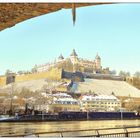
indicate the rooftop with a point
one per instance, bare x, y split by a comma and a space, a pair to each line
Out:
100, 97
97, 56
73, 53
61, 57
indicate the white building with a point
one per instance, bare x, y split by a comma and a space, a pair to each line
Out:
64, 102
64, 98
100, 103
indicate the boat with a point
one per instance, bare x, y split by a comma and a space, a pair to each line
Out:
6, 117
73, 116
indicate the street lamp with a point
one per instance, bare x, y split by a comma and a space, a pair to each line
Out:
11, 101
121, 115
87, 111
10, 79
121, 110
87, 115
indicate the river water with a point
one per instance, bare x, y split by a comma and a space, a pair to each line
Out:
31, 127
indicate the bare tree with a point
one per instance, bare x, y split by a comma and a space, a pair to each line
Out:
113, 72
34, 69
137, 74
124, 74
7, 72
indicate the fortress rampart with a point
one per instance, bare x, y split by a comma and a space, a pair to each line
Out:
53, 74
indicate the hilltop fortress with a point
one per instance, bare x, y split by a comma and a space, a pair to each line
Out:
75, 74
73, 68
74, 63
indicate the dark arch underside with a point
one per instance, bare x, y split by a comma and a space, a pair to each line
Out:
13, 13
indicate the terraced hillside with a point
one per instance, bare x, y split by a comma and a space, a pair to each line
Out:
120, 88
32, 85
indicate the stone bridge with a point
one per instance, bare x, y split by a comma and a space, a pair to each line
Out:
13, 13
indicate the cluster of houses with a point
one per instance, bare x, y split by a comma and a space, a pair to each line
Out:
86, 102
57, 102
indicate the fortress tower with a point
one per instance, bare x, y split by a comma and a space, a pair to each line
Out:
60, 58
98, 62
75, 63
74, 57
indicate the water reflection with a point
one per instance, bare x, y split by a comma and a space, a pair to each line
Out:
30, 127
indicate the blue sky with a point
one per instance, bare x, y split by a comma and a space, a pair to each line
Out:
111, 30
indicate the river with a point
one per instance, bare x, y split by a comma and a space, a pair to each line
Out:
29, 127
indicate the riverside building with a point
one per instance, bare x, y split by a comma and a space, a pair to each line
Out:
100, 103
64, 102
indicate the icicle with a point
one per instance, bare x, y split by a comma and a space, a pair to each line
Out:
74, 13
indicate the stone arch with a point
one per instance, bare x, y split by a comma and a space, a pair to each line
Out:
25, 11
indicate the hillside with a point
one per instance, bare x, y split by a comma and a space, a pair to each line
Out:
32, 85
120, 88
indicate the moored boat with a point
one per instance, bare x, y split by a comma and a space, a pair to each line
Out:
73, 116
6, 117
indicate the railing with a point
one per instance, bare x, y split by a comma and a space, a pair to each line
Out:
132, 131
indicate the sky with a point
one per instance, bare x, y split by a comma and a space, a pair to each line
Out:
112, 31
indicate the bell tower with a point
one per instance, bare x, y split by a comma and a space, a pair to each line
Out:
74, 57
98, 62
